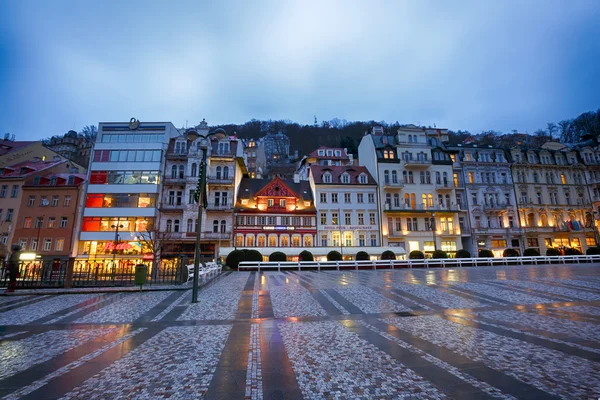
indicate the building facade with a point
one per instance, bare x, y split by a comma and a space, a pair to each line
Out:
554, 204
484, 184
330, 156
123, 192
347, 213
48, 214
418, 204
12, 180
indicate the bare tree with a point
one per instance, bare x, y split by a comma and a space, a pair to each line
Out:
552, 128
89, 131
152, 241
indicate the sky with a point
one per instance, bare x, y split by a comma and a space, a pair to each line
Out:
471, 65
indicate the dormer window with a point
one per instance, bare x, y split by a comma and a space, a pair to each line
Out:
327, 177
345, 178
53, 181
321, 152
388, 154
362, 178
23, 171
36, 180
338, 153
71, 180
329, 152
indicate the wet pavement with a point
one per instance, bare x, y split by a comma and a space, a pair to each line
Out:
497, 332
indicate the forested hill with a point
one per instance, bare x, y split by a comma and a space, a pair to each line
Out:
342, 133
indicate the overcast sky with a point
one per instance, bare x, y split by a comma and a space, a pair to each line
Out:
472, 65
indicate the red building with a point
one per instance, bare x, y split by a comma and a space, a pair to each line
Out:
274, 214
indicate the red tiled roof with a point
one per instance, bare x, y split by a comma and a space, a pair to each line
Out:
315, 153
336, 172
8, 146
14, 171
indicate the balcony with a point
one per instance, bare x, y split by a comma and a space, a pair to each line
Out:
219, 207
496, 230
416, 163
210, 235
176, 156
421, 208
174, 181
222, 154
445, 186
393, 185
423, 234
165, 206
496, 207
219, 180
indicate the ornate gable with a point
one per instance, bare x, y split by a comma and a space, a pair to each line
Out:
276, 188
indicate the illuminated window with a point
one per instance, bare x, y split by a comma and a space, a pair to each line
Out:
270, 202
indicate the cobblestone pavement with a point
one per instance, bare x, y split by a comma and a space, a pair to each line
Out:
498, 332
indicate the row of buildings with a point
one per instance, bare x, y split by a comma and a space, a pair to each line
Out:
408, 190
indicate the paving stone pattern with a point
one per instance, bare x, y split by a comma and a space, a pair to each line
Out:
491, 332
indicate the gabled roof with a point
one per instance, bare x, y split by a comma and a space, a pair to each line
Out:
250, 188
343, 156
30, 167
277, 187
8, 146
336, 172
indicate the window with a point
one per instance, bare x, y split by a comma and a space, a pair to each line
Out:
51, 222
282, 203
272, 241
33, 245
169, 225
271, 220
194, 169
270, 202
323, 218
285, 241
60, 243
347, 198
323, 197
345, 178
359, 198
176, 225
347, 218
563, 179
15, 191
47, 244
327, 177
67, 201
9, 214
334, 218
3, 191
31, 201
362, 178
372, 218
54, 201
373, 240
371, 197
471, 176
334, 197
179, 197
27, 222
22, 243
223, 226
64, 221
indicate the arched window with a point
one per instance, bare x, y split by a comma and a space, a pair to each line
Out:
272, 240
169, 225
409, 138
285, 241
410, 177
174, 171
445, 178
181, 172
386, 176
215, 226
262, 240
307, 241
225, 172
544, 220
438, 178
427, 177
190, 225
218, 172
436, 156
530, 219
176, 225
394, 177
413, 201
430, 200
424, 200
250, 240
388, 199
407, 199
194, 169
405, 176
434, 142
223, 226
396, 200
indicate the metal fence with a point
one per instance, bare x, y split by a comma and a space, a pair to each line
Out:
425, 263
88, 273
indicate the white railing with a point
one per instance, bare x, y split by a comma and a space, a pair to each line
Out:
426, 263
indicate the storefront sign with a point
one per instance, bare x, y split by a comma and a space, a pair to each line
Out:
481, 243
348, 228
278, 228
120, 246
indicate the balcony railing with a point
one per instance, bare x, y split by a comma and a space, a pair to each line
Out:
496, 206
416, 163
393, 185
445, 185
210, 235
170, 180
217, 179
422, 208
219, 207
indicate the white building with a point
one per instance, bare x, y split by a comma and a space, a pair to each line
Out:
347, 211
417, 188
123, 189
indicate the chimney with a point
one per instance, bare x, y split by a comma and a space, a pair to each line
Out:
296, 177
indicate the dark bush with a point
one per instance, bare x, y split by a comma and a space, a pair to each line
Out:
388, 255
531, 252
362, 256
416, 255
593, 251
306, 255
334, 256
485, 253
252, 255
510, 253
551, 251
439, 254
278, 256
569, 251
462, 253
233, 259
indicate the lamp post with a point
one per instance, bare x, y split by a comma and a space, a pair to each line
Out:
433, 230
192, 135
116, 228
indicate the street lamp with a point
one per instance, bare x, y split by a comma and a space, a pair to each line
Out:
192, 136
433, 230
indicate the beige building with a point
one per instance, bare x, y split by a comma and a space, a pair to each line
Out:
417, 190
